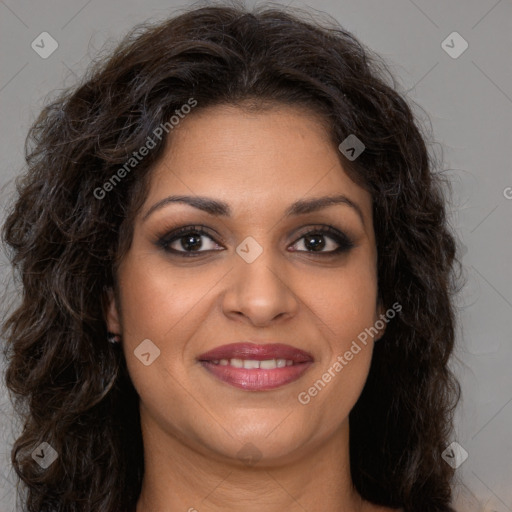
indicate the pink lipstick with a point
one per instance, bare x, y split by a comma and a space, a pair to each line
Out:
256, 367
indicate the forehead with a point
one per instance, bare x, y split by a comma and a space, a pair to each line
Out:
252, 160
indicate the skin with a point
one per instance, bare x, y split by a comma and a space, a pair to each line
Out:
193, 424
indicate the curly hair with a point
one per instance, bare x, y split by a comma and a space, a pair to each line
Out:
71, 386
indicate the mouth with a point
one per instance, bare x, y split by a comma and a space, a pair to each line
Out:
255, 367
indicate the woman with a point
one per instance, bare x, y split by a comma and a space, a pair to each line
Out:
243, 207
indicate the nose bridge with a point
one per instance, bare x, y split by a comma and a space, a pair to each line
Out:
258, 287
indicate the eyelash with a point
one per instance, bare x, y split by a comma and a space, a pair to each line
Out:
340, 238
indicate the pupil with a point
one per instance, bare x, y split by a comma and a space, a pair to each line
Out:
189, 243
316, 244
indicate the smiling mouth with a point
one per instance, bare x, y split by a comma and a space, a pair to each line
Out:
250, 364
255, 367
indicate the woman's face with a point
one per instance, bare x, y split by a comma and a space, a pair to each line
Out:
251, 277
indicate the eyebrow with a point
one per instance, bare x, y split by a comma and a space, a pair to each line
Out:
222, 209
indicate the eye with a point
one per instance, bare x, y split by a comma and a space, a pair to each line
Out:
314, 241
186, 241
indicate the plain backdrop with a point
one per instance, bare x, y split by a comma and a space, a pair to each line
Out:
468, 98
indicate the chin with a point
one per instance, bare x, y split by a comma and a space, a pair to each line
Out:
263, 443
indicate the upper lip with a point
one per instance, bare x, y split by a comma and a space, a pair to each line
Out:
257, 352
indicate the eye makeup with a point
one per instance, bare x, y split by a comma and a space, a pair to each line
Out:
196, 232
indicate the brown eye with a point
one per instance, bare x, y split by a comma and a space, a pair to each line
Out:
187, 241
314, 241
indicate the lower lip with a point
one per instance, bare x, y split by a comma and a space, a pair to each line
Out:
256, 379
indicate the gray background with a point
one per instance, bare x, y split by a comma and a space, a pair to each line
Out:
469, 101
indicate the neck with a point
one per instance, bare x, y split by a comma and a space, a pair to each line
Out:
178, 476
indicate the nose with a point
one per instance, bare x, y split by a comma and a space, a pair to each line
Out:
260, 292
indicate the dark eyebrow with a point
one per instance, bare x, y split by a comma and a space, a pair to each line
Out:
317, 203
222, 209
208, 205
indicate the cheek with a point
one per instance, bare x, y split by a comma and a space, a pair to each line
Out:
346, 308
345, 301
157, 300
164, 307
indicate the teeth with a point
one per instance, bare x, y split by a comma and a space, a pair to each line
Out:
268, 364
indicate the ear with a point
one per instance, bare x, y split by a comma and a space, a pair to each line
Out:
380, 323
112, 317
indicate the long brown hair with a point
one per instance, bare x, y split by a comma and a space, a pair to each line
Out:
71, 386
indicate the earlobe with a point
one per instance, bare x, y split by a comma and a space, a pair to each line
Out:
380, 322
112, 312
